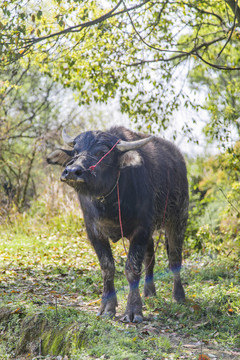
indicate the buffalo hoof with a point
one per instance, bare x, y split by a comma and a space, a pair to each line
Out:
108, 308
106, 315
133, 311
134, 318
178, 293
149, 290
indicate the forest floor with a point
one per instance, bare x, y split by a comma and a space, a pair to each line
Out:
50, 289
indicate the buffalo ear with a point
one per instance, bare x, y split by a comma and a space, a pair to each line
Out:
130, 158
59, 157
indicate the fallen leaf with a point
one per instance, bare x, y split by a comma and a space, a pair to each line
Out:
18, 310
203, 357
93, 302
195, 308
200, 324
147, 330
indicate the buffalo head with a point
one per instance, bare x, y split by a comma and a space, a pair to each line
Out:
86, 150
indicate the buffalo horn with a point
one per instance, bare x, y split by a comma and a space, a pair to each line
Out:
133, 145
67, 139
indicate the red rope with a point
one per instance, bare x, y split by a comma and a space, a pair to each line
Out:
93, 166
120, 217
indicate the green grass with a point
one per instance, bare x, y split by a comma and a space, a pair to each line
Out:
50, 275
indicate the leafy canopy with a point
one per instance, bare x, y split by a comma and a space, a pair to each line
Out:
124, 48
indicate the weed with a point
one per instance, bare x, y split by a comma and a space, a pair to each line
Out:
50, 276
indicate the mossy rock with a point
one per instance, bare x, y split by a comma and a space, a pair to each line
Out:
5, 313
39, 336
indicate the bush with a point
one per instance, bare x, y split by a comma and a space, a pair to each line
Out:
214, 218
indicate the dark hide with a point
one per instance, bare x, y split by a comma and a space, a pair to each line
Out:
151, 178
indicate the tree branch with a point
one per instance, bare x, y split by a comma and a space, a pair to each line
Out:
144, 42
181, 54
233, 27
234, 207
79, 27
194, 51
233, 4
219, 67
204, 12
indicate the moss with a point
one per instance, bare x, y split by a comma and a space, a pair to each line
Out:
5, 313
30, 333
39, 335
53, 341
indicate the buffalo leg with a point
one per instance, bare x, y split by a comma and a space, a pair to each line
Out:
174, 242
133, 268
149, 261
103, 250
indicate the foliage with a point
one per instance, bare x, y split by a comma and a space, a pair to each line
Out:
24, 127
33, 109
214, 212
103, 50
222, 93
133, 51
51, 280
124, 49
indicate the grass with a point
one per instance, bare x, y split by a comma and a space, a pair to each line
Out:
50, 280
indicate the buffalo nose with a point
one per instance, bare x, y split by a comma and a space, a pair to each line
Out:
71, 173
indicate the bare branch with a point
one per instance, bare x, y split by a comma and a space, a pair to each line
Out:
194, 51
233, 4
233, 27
181, 54
144, 42
204, 12
234, 207
79, 27
219, 67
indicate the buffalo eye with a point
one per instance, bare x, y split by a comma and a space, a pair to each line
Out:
100, 153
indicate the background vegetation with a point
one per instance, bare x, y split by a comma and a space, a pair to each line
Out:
79, 64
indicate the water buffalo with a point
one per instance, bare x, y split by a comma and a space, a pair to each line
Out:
150, 175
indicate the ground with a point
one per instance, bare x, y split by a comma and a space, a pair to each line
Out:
51, 288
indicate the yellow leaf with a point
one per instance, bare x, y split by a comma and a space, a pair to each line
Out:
93, 302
